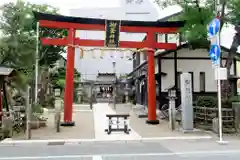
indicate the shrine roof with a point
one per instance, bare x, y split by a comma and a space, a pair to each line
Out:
5, 71
61, 18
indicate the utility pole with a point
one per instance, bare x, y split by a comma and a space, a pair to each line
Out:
36, 64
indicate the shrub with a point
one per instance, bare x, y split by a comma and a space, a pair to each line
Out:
235, 99
206, 101
37, 108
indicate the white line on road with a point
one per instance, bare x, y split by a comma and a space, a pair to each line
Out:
97, 157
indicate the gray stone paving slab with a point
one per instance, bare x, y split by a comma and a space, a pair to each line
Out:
83, 107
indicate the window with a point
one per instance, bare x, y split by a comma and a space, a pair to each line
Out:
192, 78
178, 80
202, 81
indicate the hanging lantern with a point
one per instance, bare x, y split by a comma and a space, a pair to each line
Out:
102, 53
93, 54
128, 57
81, 53
111, 54
122, 55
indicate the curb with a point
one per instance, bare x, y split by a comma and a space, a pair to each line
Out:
51, 142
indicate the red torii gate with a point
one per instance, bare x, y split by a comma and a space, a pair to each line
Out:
72, 24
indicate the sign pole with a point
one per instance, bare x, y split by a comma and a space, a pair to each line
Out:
219, 106
214, 30
219, 84
220, 128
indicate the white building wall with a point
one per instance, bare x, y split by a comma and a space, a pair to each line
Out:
186, 65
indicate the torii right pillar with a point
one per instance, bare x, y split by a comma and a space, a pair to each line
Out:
152, 116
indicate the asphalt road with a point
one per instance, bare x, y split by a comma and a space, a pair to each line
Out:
167, 150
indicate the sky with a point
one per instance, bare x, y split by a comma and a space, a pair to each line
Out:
65, 5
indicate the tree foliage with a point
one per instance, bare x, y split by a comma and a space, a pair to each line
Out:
197, 15
234, 11
18, 41
58, 78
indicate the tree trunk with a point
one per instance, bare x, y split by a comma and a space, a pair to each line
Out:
43, 91
226, 84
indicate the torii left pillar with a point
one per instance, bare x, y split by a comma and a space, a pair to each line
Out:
152, 117
69, 84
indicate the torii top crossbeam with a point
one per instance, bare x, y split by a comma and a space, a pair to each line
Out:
65, 22
112, 29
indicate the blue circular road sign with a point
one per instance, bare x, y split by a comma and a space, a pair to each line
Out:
214, 52
214, 27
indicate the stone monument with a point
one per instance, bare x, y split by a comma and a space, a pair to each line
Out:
186, 100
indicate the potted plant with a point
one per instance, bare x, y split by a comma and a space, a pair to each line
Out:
42, 121
34, 122
37, 119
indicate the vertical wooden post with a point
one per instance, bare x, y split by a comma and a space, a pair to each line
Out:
68, 94
28, 114
91, 95
1, 104
152, 117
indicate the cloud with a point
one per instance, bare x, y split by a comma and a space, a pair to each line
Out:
65, 5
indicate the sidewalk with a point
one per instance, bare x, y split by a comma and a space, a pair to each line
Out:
83, 129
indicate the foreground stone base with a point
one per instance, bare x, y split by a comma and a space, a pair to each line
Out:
68, 124
153, 122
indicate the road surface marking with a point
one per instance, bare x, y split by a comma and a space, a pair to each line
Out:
194, 153
97, 157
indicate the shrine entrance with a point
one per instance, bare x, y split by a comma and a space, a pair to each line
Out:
112, 29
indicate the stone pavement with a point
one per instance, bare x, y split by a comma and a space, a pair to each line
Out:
154, 131
81, 107
101, 123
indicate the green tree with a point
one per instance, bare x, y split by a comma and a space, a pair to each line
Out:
18, 27
18, 41
58, 79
